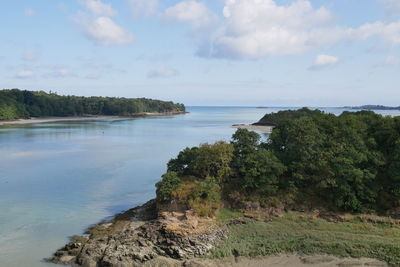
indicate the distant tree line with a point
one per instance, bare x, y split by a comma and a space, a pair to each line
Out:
349, 162
374, 107
16, 104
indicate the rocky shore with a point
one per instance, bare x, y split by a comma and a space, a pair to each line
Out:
142, 236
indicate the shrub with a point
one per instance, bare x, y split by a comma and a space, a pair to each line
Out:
167, 186
202, 196
206, 160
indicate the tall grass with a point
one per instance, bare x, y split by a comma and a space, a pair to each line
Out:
304, 234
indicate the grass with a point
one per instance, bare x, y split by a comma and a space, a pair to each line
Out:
295, 232
225, 214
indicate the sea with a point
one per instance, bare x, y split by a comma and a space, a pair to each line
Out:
57, 179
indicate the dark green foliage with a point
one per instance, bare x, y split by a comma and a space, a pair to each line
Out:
16, 104
203, 161
245, 141
281, 116
167, 186
255, 170
349, 162
203, 170
341, 160
182, 164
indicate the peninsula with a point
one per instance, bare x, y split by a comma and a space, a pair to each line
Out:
321, 187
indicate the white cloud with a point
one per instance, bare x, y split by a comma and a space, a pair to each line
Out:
99, 27
162, 72
388, 32
193, 12
29, 12
102, 30
323, 61
259, 28
24, 74
99, 8
253, 29
143, 7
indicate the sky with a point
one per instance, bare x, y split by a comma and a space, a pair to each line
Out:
206, 52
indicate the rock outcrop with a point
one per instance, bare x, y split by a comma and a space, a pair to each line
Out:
139, 236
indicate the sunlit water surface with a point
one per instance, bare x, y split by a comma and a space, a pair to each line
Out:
58, 178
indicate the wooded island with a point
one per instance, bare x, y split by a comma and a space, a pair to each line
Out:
23, 104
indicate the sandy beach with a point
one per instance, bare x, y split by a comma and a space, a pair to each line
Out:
82, 118
54, 119
266, 129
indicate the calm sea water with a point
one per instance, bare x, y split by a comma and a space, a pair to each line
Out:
58, 178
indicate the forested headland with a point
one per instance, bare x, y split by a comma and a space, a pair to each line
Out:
314, 187
347, 163
16, 104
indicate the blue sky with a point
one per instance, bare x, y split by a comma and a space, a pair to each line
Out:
219, 52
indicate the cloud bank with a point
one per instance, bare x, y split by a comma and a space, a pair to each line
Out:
253, 29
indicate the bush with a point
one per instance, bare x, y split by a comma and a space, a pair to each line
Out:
205, 160
167, 186
202, 196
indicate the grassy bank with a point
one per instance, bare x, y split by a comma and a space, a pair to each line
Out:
297, 232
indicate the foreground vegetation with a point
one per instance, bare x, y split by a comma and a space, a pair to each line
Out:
15, 104
301, 233
312, 159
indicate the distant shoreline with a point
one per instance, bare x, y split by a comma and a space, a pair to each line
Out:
371, 107
84, 118
261, 128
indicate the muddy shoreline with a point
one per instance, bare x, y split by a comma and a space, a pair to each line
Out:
143, 236
85, 118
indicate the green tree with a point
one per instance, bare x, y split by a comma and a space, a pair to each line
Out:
206, 160
167, 186
256, 170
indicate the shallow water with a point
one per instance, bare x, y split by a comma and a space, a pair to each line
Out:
58, 178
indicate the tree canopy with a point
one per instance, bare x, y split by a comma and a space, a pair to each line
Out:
349, 162
15, 104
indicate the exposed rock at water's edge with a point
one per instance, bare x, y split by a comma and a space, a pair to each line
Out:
139, 236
